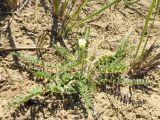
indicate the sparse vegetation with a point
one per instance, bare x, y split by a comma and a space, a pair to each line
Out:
75, 73
78, 74
143, 57
66, 16
71, 76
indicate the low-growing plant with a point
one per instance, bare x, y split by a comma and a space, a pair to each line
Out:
76, 73
113, 68
73, 75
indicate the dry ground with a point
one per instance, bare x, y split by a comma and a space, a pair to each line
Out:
106, 32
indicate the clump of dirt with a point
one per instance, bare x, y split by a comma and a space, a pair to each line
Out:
23, 29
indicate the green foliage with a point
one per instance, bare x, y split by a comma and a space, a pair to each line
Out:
75, 74
142, 58
120, 80
122, 48
86, 33
113, 68
109, 64
22, 99
115, 63
85, 93
151, 12
67, 15
40, 74
90, 17
70, 77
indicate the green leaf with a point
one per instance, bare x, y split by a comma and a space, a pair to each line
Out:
89, 17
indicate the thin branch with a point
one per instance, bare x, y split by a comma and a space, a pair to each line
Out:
23, 48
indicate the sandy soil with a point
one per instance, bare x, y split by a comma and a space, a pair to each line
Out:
106, 33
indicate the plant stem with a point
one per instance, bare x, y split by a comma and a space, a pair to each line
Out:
145, 27
83, 20
22, 48
157, 5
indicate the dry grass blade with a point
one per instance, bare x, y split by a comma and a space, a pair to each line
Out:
13, 6
148, 61
41, 40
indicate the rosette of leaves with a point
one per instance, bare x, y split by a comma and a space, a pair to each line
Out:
70, 76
